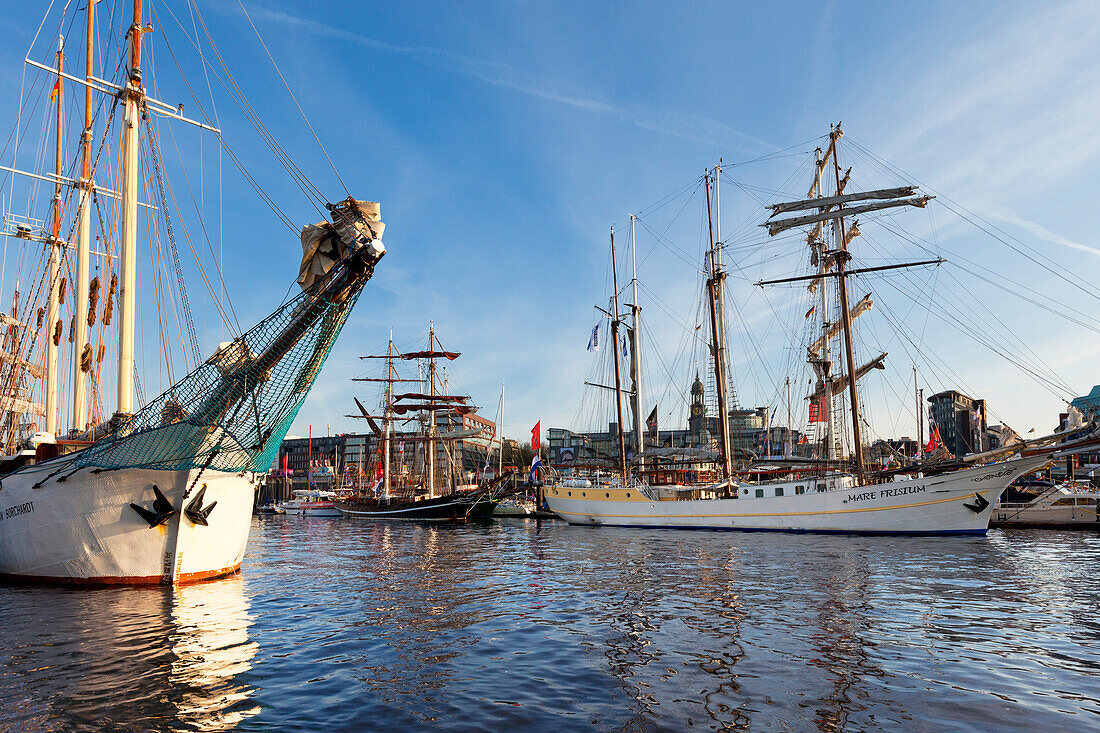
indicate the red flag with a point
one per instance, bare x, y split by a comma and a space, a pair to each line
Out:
803, 440
536, 435
933, 440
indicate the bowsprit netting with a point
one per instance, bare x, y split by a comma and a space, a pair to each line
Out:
232, 412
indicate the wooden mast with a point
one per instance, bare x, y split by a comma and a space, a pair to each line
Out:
79, 412
52, 321
615, 352
718, 351
127, 299
842, 258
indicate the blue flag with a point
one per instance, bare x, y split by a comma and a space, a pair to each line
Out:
594, 342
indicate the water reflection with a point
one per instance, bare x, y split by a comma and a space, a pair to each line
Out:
128, 659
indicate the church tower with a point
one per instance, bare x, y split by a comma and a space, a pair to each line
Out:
696, 419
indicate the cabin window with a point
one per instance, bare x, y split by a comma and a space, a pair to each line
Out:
799, 489
759, 493
821, 487
779, 491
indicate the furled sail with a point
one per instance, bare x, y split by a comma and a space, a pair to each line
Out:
355, 224
841, 383
857, 310
821, 202
775, 227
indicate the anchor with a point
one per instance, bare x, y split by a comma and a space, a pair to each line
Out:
979, 504
194, 510
162, 509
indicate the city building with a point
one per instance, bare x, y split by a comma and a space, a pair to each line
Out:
961, 420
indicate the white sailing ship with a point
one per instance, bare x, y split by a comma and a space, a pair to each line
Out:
160, 493
844, 495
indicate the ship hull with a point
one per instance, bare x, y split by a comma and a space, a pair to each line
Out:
956, 503
85, 531
313, 509
452, 507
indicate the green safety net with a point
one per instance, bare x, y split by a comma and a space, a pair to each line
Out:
233, 411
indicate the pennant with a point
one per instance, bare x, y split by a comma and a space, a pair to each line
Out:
594, 341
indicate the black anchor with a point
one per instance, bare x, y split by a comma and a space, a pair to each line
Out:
194, 510
979, 504
162, 509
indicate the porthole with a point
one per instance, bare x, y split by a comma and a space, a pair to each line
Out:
583, 494
608, 494
628, 495
569, 493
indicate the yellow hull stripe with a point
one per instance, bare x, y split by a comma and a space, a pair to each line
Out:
957, 497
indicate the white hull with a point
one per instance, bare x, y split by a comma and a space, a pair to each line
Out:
317, 509
935, 504
83, 530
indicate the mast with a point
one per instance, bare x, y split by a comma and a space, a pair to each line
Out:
916, 395
842, 258
635, 348
790, 439
388, 418
825, 364
127, 298
615, 352
718, 350
78, 416
52, 337
431, 413
500, 432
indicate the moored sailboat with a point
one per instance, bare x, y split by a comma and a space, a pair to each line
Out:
835, 493
163, 493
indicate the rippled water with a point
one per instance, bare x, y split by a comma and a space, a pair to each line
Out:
359, 625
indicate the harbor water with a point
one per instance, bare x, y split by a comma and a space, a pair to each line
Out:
363, 625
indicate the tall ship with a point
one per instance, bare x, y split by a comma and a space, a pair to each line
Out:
720, 485
423, 433
158, 491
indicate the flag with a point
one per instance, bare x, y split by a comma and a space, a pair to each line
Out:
594, 342
651, 425
626, 350
536, 464
53, 92
536, 437
810, 312
803, 440
933, 439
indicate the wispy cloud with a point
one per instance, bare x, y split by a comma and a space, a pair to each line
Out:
683, 125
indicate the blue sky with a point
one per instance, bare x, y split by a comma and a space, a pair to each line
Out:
504, 139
